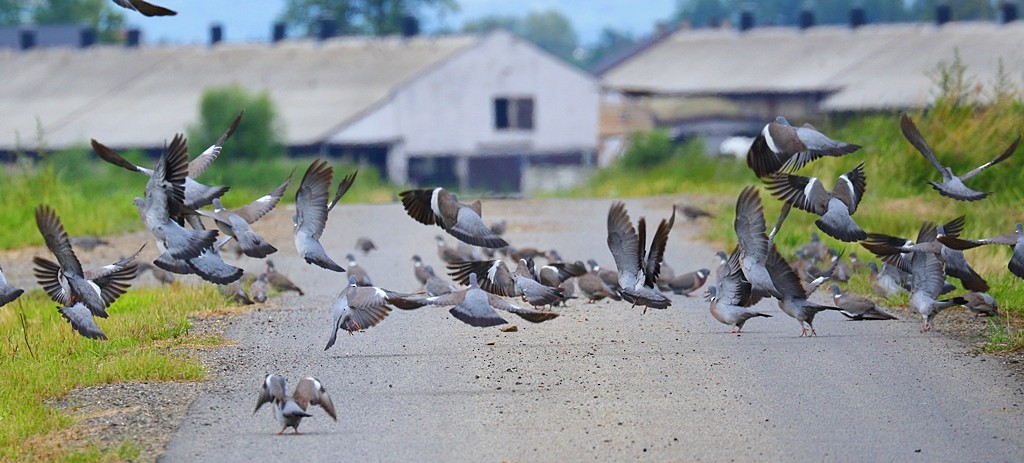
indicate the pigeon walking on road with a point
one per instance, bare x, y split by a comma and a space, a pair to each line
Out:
857, 307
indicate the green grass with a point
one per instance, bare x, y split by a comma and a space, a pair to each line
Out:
43, 359
93, 197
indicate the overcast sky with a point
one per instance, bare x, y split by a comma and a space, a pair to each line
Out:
252, 22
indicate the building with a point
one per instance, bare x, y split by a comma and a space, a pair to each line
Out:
724, 81
490, 112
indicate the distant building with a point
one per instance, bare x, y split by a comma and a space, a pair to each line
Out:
489, 112
722, 82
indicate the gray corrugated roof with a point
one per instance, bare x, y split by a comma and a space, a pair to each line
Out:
141, 97
871, 67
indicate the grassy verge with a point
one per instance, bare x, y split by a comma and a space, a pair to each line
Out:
95, 198
43, 359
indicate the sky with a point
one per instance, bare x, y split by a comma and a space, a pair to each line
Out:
253, 21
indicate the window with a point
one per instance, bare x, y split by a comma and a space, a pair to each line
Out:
513, 113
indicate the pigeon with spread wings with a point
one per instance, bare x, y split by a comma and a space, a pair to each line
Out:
442, 208
144, 7
780, 146
311, 210
290, 410
236, 223
638, 268
835, 207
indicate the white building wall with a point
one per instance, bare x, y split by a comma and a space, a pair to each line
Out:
450, 109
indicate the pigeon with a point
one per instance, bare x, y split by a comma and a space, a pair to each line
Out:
609, 277
442, 208
780, 146
66, 282
197, 195
236, 223
496, 278
8, 293
896, 251
259, 289
279, 281
88, 242
435, 285
498, 228
952, 186
419, 270
638, 268
593, 286
693, 213
163, 205
235, 292
365, 245
835, 207
927, 279
312, 209
361, 307
476, 307
555, 273
144, 7
82, 321
730, 296
354, 270
888, 282
981, 304
857, 307
290, 410
686, 283
794, 297
1015, 240
754, 245
208, 265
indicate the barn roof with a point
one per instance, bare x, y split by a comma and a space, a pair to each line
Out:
139, 97
866, 68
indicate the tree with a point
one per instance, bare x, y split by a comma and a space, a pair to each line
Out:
258, 135
102, 15
609, 42
550, 30
701, 12
354, 17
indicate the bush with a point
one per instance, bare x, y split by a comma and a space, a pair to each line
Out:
648, 149
259, 134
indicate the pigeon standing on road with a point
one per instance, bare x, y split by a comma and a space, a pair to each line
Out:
794, 297
358, 272
857, 307
259, 289
442, 208
312, 209
279, 281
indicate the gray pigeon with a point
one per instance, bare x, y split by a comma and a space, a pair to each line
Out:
290, 410
753, 243
857, 307
593, 286
360, 307
886, 282
435, 285
1015, 240
780, 146
730, 296
279, 281
476, 307
365, 244
897, 251
638, 268
144, 7
419, 270
794, 298
442, 208
834, 207
165, 195
686, 283
235, 292
66, 282
236, 223
82, 321
8, 293
981, 304
496, 278
447, 253
952, 186
354, 270
197, 195
312, 209
259, 289
927, 279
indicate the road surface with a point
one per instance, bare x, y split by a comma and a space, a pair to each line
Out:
603, 382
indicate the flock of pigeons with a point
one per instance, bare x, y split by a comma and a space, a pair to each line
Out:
174, 205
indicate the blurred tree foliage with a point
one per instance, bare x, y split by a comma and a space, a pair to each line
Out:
259, 134
102, 15
550, 30
361, 17
647, 150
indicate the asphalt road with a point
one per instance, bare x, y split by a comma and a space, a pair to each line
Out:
602, 382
